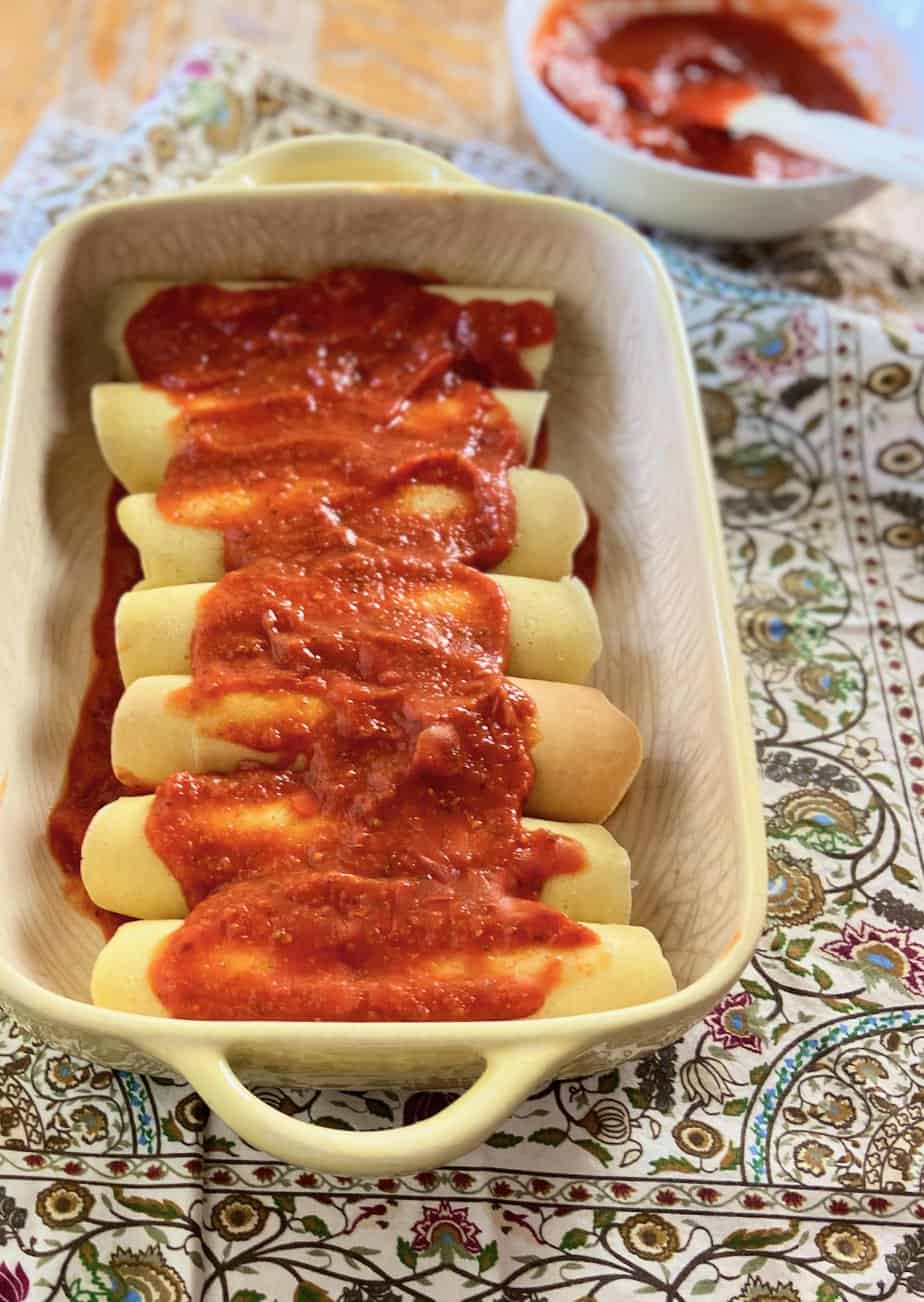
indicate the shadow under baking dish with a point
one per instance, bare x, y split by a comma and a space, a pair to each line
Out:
624, 426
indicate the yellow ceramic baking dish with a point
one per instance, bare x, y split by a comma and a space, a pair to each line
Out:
625, 427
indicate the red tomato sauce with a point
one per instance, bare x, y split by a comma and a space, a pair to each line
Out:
641, 80
421, 733
380, 870
311, 412
333, 947
89, 782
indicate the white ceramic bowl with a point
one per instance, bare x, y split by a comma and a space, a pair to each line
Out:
625, 426
883, 45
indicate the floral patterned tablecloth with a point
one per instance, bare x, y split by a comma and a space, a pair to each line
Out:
776, 1153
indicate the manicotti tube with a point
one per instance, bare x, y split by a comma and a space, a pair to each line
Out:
626, 967
586, 752
551, 521
138, 428
123, 873
127, 299
554, 631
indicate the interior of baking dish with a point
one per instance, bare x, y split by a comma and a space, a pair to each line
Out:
623, 426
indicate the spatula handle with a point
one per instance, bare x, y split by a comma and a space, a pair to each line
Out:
848, 142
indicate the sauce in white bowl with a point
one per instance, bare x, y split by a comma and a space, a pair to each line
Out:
879, 48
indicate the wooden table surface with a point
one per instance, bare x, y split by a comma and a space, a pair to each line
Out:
444, 64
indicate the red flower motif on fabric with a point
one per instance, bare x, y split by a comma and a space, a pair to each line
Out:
730, 1023
793, 1199
708, 1195
666, 1197
621, 1190
838, 1207
753, 1202
878, 1205
446, 1230
14, 1284
891, 952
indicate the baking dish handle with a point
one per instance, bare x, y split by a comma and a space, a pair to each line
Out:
510, 1075
339, 158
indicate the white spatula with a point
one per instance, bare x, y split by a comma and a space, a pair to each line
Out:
845, 141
